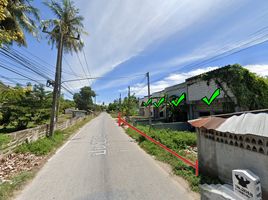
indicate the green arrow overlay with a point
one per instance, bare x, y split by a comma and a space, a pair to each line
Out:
159, 102
212, 98
181, 98
148, 102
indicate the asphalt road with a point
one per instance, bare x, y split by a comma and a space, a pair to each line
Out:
102, 163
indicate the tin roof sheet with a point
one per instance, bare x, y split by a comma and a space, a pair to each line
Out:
247, 123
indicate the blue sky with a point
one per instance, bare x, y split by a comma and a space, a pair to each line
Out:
170, 39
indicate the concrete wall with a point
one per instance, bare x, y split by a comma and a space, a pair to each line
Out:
178, 126
220, 153
199, 89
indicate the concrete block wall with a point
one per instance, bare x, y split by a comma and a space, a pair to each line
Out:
219, 153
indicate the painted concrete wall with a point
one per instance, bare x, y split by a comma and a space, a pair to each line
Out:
199, 89
218, 159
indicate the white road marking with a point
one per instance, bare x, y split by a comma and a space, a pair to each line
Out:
99, 146
63, 146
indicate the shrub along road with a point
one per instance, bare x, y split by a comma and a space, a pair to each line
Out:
101, 162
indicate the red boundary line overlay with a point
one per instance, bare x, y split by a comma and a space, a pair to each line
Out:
194, 165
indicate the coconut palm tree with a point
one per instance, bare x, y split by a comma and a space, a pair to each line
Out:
68, 22
17, 16
65, 34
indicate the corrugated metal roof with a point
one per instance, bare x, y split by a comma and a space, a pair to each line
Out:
199, 122
247, 123
214, 122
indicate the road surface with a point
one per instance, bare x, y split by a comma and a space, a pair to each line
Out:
102, 163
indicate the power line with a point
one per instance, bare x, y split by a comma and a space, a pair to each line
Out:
17, 57
100, 77
19, 73
82, 66
230, 52
23, 62
88, 69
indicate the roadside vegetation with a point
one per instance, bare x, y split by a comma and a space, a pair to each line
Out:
27, 107
16, 183
128, 106
182, 142
42, 147
46, 145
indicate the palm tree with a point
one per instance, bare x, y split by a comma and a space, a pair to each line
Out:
17, 16
68, 23
65, 34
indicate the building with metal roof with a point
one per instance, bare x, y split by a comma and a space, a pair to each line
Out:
234, 141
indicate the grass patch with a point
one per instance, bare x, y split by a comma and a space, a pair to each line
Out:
46, 145
8, 188
4, 140
178, 141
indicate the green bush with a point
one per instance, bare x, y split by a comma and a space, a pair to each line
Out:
42, 146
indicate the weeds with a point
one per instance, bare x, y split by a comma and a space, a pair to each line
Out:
16, 182
4, 140
175, 140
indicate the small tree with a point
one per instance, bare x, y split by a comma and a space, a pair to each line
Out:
83, 99
20, 106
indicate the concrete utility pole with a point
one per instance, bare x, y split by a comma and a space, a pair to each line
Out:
59, 95
57, 82
149, 95
128, 104
120, 102
57, 85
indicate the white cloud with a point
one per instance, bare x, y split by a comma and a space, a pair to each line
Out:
120, 30
170, 80
173, 79
261, 70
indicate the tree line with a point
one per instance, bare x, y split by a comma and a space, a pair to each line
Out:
24, 107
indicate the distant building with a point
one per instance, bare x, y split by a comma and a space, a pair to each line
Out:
234, 141
69, 110
75, 113
193, 107
79, 113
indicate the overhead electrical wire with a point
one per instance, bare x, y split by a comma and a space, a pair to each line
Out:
82, 67
243, 46
87, 66
26, 63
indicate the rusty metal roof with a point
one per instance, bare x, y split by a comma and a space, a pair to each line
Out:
247, 123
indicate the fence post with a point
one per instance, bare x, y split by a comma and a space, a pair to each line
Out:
196, 168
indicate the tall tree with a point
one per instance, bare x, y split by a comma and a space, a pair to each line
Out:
17, 16
65, 34
83, 99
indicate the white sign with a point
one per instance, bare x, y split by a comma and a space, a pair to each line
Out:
246, 185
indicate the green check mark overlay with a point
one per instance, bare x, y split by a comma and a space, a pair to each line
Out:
148, 102
212, 98
181, 98
159, 102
